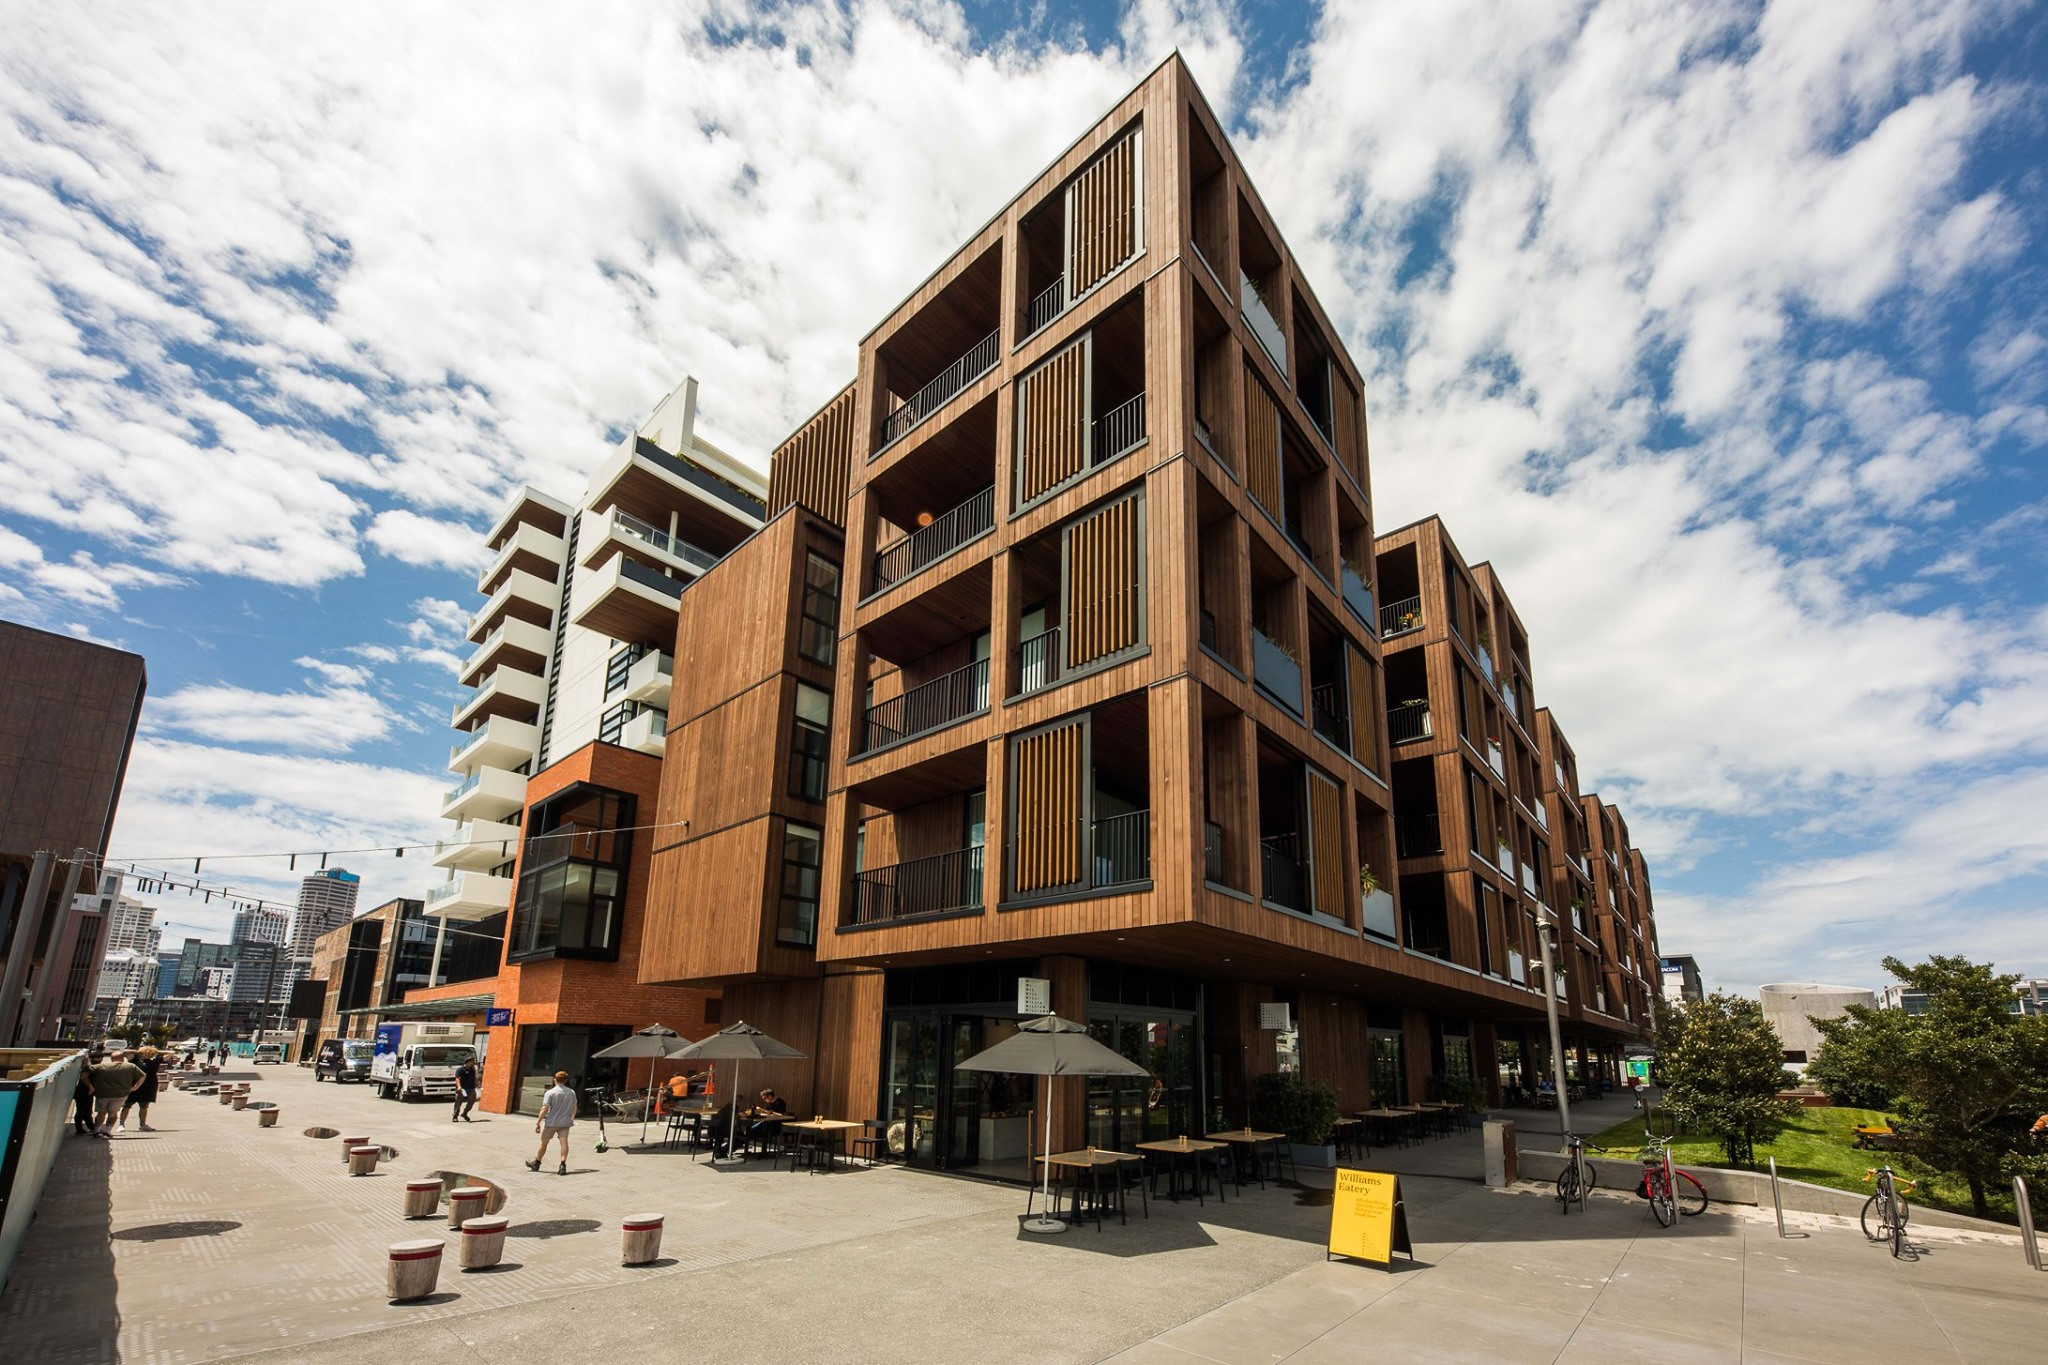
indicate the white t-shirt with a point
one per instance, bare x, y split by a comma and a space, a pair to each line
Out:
558, 1107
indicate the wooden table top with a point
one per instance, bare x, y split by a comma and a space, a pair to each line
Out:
1388, 1113
1101, 1156
822, 1125
1180, 1145
1245, 1135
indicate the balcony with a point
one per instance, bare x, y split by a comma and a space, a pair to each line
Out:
1276, 671
1327, 714
1518, 967
1280, 875
979, 360
1542, 813
1507, 696
926, 546
1376, 913
927, 707
500, 742
1419, 835
513, 643
1123, 848
943, 884
1263, 324
528, 597
650, 678
1504, 858
477, 844
627, 600
1212, 851
1038, 661
1119, 431
646, 732
1557, 771
506, 691
617, 531
1398, 618
1496, 759
526, 547
716, 507
470, 896
1410, 722
486, 794
1358, 599
1529, 882
1485, 662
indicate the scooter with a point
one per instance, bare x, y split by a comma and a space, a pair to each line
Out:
596, 1094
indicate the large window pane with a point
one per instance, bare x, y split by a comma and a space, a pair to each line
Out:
803, 849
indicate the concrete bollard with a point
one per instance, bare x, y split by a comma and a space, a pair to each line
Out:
422, 1198
227, 1096
640, 1238
349, 1142
1501, 1156
266, 1118
363, 1160
241, 1099
414, 1269
466, 1203
483, 1241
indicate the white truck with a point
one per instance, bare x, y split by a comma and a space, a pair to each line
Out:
415, 1061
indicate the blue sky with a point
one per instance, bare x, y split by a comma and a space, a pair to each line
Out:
1719, 329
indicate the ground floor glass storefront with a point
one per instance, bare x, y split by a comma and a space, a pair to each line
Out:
546, 1049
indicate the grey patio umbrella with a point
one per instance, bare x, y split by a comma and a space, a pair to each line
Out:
1051, 1046
736, 1043
654, 1041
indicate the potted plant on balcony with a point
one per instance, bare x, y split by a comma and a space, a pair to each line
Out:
1305, 1110
1408, 620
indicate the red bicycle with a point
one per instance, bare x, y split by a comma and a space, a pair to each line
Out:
1669, 1190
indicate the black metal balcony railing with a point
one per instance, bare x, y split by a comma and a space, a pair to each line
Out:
651, 578
1327, 714
979, 360
1047, 304
1120, 430
1419, 835
1038, 661
1280, 877
1123, 848
928, 706
1209, 635
1212, 851
928, 544
1409, 722
936, 885
1398, 618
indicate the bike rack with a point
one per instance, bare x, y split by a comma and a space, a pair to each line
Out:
2028, 1242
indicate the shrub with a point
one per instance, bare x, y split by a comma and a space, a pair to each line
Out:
1285, 1102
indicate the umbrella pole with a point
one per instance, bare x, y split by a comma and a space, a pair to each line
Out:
732, 1120
1045, 1222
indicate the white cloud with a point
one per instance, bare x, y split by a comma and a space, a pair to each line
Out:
426, 541
335, 718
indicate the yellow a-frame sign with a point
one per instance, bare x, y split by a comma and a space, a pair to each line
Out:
1368, 1221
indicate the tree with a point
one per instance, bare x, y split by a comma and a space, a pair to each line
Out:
1969, 1074
1858, 1062
1723, 1065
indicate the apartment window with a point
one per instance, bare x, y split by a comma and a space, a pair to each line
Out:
572, 888
807, 743
818, 632
803, 853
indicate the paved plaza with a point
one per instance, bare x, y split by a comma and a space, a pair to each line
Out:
213, 1238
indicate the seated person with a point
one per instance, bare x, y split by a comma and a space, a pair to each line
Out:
762, 1119
677, 1088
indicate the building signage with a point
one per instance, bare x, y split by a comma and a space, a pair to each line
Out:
1034, 995
1368, 1221
1276, 1014
497, 1018
1638, 1069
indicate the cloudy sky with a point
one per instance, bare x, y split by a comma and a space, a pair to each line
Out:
1721, 330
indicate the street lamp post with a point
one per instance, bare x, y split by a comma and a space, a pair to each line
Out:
1546, 919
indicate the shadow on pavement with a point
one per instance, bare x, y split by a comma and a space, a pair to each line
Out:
553, 1227
66, 1267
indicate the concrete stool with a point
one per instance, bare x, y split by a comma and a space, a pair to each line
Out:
640, 1238
466, 1203
414, 1270
363, 1160
422, 1198
349, 1142
266, 1118
227, 1096
241, 1099
483, 1241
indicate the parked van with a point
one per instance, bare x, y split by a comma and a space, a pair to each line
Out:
272, 1053
344, 1059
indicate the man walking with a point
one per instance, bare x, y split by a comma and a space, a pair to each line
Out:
557, 1117
466, 1081
113, 1081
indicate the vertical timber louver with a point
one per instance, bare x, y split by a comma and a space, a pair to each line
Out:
1105, 612
811, 467
1365, 712
1261, 444
1350, 440
1053, 430
1049, 769
1103, 228
1326, 845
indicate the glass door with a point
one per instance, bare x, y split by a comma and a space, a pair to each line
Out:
962, 1100
1126, 1110
911, 1088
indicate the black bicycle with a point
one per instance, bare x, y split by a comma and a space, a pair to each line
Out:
1886, 1212
1568, 1179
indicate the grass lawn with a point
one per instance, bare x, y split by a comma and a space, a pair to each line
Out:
1819, 1148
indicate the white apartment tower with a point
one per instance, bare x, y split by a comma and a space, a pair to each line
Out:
573, 639
327, 900
259, 924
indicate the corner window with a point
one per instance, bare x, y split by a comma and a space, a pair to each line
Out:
818, 631
803, 853
807, 743
572, 887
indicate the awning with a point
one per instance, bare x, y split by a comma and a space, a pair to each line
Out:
429, 1009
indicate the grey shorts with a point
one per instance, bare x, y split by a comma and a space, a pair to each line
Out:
548, 1131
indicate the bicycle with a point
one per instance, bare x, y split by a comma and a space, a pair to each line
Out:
1568, 1190
1670, 1191
1891, 1209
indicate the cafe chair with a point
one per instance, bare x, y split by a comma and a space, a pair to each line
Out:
872, 1143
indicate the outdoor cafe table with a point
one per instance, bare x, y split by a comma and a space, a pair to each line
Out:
1438, 1112
1094, 1161
820, 1135
1245, 1144
1392, 1120
1193, 1150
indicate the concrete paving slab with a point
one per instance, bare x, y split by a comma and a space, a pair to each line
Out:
1601, 1341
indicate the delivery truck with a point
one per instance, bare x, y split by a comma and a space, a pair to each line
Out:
413, 1061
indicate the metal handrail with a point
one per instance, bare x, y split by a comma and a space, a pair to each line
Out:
978, 361
1419, 835
927, 706
1046, 305
1121, 429
1398, 618
1038, 661
921, 886
650, 534
1327, 714
929, 544
1123, 848
1410, 722
1280, 879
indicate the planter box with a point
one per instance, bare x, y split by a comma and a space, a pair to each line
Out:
1306, 1154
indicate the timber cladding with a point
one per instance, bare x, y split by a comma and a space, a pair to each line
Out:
811, 469
1261, 443
1051, 773
1103, 215
1052, 421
